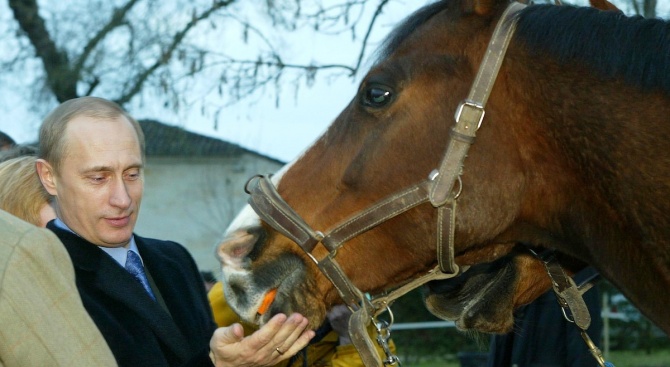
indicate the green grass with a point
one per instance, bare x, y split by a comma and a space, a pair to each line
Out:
442, 363
640, 358
619, 358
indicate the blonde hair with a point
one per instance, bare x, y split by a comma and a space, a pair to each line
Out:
21, 192
52, 145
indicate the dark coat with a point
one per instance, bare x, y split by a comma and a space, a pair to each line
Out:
543, 338
139, 330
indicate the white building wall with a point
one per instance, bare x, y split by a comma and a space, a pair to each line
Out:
192, 200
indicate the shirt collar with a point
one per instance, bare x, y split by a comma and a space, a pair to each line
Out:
119, 254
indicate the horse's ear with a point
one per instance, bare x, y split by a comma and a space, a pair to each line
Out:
603, 5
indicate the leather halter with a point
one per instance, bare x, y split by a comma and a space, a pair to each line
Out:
438, 189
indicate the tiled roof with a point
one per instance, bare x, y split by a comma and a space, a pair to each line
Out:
170, 141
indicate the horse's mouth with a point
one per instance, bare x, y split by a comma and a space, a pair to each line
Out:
481, 299
281, 302
268, 307
266, 303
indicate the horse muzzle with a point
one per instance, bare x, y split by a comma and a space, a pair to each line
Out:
247, 281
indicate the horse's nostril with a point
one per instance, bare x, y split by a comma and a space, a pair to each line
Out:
236, 246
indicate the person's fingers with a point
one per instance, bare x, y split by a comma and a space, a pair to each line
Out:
222, 340
266, 336
298, 344
238, 331
290, 331
229, 335
292, 336
278, 340
283, 337
223, 337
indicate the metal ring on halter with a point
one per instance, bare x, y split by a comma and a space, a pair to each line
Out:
383, 324
433, 175
565, 315
460, 188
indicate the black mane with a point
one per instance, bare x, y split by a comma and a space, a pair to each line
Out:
407, 27
614, 45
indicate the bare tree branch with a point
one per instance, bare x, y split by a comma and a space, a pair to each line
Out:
650, 8
115, 21
378, 12
167, 54
124, 50
56, 62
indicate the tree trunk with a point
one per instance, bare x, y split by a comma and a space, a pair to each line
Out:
56, 64
649, 8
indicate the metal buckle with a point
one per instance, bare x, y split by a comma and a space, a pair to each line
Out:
471, 111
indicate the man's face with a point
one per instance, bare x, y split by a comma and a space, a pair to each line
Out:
100, 182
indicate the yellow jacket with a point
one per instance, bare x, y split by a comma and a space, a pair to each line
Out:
324, 353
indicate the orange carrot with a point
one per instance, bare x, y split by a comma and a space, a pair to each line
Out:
267, 301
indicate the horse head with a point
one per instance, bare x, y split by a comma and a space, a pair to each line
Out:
524, 182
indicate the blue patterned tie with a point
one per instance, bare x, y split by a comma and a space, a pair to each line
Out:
135, 268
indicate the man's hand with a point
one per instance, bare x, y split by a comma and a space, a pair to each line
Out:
276, 341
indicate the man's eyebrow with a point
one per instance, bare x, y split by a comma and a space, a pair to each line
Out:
109, 168
96, 169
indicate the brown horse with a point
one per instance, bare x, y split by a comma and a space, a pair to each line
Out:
572, 155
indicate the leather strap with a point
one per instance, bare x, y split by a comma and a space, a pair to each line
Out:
358, 333
446, 222
271, 207
382, 211
470, 113
568, 294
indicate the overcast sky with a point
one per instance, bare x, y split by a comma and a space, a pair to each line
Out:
279, 132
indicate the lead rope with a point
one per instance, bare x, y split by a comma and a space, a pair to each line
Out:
570, 298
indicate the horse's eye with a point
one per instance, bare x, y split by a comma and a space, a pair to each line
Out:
376, 96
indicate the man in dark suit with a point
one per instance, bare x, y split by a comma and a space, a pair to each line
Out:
146, 296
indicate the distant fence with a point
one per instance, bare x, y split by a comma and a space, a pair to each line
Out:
422, 325
606, 314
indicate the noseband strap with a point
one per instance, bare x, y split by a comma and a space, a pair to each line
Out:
271, 207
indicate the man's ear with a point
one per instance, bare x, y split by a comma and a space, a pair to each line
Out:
47, 175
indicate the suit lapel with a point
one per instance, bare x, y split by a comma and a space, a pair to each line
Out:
120, 285
173, 272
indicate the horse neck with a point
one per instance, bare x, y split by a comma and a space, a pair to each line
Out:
610, 143
610, 135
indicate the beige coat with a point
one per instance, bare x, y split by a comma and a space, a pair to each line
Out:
43, 322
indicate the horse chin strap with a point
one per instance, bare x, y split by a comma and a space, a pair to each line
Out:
438, 189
